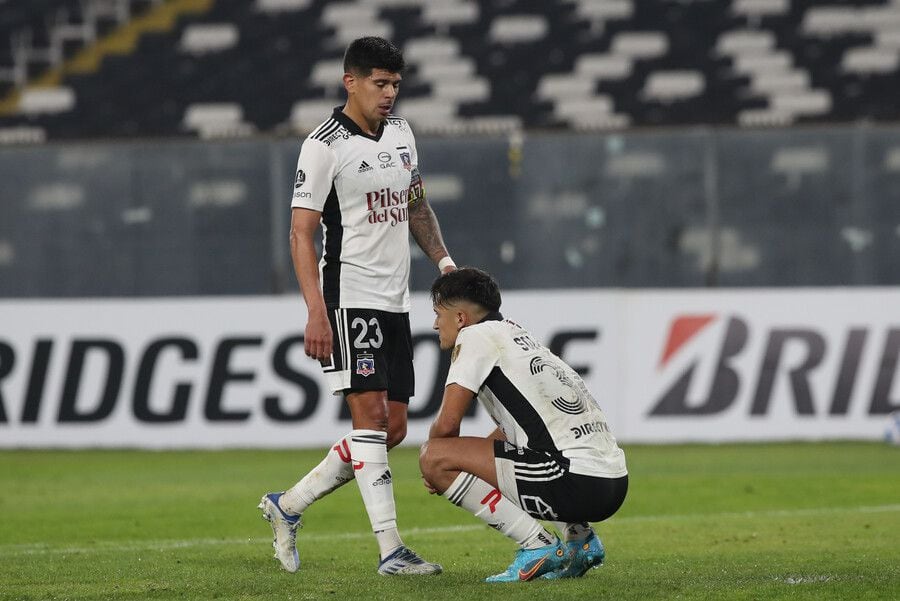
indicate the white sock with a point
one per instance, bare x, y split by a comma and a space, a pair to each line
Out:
573, 530
373, 476
333, 472
480, 498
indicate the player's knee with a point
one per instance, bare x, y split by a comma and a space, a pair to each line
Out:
425, 463
395, 435
431, 460
369, 416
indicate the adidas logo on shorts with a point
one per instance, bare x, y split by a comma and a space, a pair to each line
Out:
384, 479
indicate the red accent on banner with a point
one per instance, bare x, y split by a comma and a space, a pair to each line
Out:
682, 330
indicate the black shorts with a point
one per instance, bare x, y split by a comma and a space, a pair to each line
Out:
372, 351
541, 483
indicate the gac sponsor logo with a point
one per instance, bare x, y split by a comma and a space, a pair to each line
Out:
387, 161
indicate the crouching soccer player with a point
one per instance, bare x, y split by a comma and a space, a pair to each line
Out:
552, 456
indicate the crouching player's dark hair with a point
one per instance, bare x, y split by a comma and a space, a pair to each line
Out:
466, 284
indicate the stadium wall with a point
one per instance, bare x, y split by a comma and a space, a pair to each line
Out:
666, 366
680, 208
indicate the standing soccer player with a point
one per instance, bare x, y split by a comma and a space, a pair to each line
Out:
357, 175
552, 456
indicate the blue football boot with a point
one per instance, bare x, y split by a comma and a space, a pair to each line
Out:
532, 563
582, 555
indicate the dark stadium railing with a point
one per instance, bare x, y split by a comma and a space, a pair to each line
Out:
679, 208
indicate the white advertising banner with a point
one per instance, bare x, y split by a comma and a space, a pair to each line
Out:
760, 365
665, 366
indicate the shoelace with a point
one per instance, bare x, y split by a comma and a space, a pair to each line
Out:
411, 557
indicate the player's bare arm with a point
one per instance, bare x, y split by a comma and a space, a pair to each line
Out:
317, 338
426, 231
456, 402
446, 453
444, 440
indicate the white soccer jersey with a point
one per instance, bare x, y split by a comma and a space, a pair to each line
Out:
361, 185
534, 397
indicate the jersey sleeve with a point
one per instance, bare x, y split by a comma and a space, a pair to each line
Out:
416, 189
414, 153
315, 175
474, 356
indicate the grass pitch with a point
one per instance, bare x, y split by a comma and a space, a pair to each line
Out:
780, 521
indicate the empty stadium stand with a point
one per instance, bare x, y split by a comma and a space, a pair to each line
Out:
216, 68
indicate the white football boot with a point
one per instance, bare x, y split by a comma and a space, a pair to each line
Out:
284, 530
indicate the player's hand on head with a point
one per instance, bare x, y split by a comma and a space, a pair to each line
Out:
446, 265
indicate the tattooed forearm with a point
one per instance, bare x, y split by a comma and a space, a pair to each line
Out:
425, 230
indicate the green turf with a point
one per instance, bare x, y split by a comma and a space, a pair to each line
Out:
776, 521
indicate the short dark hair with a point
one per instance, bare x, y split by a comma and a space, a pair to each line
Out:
468, 284
365, 54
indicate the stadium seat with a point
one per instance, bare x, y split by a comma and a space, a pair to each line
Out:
278, 6
756, 9
745, 42
457, 69
351, 20
816, 102
766, 83
306, 115
445, 15
634, 45
598, 12
208, 37
669, 86
327, 74
603, 66
512, 29
431, 48
58, 99
217, 120
830, 20
469, 90
765, 118
22, 134
425, 113
555, 86
870, 60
